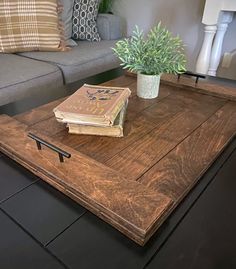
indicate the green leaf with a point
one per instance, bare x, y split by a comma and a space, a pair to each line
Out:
159, 52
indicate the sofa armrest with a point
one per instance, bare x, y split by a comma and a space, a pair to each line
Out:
109, 26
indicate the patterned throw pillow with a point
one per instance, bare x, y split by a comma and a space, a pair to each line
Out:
84, 20
28, 25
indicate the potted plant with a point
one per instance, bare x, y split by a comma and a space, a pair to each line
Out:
158, 53
105, 6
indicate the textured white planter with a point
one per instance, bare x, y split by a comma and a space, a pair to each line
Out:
148, 86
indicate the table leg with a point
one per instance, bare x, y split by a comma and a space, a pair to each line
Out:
203, 60
225, 19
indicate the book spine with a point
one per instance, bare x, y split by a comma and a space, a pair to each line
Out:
122, 115
100, 131
115, 109
105, 87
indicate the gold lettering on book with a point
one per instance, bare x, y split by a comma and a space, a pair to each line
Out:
95, 107
90, 106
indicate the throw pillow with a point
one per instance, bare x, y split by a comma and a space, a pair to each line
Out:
84, 20
66, 17
28, 25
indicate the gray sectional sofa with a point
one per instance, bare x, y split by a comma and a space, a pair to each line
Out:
33, 74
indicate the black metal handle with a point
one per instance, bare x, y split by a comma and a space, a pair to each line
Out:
191, 74
40, 142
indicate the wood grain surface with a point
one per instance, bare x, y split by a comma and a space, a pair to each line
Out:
129, 206
136, 181
40, 113
203, 86
181, 115
175, 174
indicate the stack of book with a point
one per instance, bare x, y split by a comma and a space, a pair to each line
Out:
95, 110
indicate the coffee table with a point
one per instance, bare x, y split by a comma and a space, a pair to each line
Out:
133, 183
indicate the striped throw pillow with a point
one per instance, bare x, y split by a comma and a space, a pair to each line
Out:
30, 25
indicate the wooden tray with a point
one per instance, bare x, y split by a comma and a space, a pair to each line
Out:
135, 182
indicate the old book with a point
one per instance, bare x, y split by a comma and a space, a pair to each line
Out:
116, 130
92, 105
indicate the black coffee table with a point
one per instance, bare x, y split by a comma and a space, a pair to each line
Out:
41, 228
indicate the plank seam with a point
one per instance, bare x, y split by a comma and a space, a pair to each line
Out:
35, 239
19, 191
66, 228
215, 111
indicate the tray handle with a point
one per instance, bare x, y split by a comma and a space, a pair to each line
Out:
191, 74
39, 141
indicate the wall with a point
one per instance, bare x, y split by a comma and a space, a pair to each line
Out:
230, 37
182, 17
229, 45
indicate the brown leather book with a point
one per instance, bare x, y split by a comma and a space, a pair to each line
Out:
115, 130
92, 105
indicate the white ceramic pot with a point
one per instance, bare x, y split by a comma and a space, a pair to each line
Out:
148, 86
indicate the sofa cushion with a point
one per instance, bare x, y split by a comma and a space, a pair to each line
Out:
21, 77
66, 17
89, 58
84, 20
109, 26
27, 25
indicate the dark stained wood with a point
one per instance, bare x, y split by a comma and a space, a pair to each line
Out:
202, 86
129, 206
178, 172
136, 181
122, 81
71, 140
136, 159
104, 148
41, 113
137, 105
205, 238
49, 126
